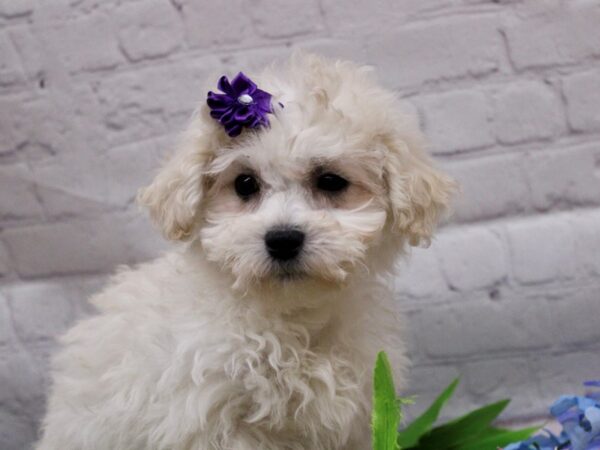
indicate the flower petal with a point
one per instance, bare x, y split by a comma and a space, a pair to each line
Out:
218, 101
224, 86
592, 414
562, 404
241, 84
263, 100
234, 130
228, 117
243, 114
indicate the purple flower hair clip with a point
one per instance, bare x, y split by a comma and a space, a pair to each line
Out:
242, 104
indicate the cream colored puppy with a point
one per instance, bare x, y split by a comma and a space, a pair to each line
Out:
294, 197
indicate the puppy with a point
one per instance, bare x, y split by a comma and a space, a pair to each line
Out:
261, 332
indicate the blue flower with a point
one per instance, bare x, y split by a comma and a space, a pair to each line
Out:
593, 394
240, 105
580, 418
540, 442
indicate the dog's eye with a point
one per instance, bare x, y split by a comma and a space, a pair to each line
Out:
245, 186
331, 182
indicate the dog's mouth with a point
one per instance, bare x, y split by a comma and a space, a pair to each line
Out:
291, 276
289, 271
296, 271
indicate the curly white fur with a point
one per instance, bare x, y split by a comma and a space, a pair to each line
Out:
213, 346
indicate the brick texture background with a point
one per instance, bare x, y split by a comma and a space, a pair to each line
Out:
92, 93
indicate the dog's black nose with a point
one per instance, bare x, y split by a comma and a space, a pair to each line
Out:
284, 243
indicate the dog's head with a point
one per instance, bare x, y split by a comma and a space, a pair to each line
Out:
338, 182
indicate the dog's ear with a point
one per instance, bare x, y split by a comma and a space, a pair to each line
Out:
419, 193
174, 196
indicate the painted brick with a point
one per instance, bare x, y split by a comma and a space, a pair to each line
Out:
450, 48
284, 18
484, 326
47, 125
11, 71
21, 399
492, 380
43, 310
419, 274
472, 258
65, 141
16, 430
209, 23
5, 321
132, 166
254, 60
557, 33
40, 310
21, 380
9, 8
41, 353
542, 249
355, 16
411, 337
587, 241
457, 121
564, 178
28, 48
86, 44
84, 245
18, 200
575, 318
16, 124
527, 111
582, 92
142, 104
67, 193
491, 187
12, 136
562, 373
148, 29
334, 48
5, 261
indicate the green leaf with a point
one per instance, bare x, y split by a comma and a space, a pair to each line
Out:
499, 439
489, 432
463, 429
412, 433
386, 407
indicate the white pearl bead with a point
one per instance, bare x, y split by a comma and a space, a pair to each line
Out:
245, 99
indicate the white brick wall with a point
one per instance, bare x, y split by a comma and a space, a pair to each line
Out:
93, 91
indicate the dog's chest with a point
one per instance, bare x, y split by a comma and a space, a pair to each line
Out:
277, 386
